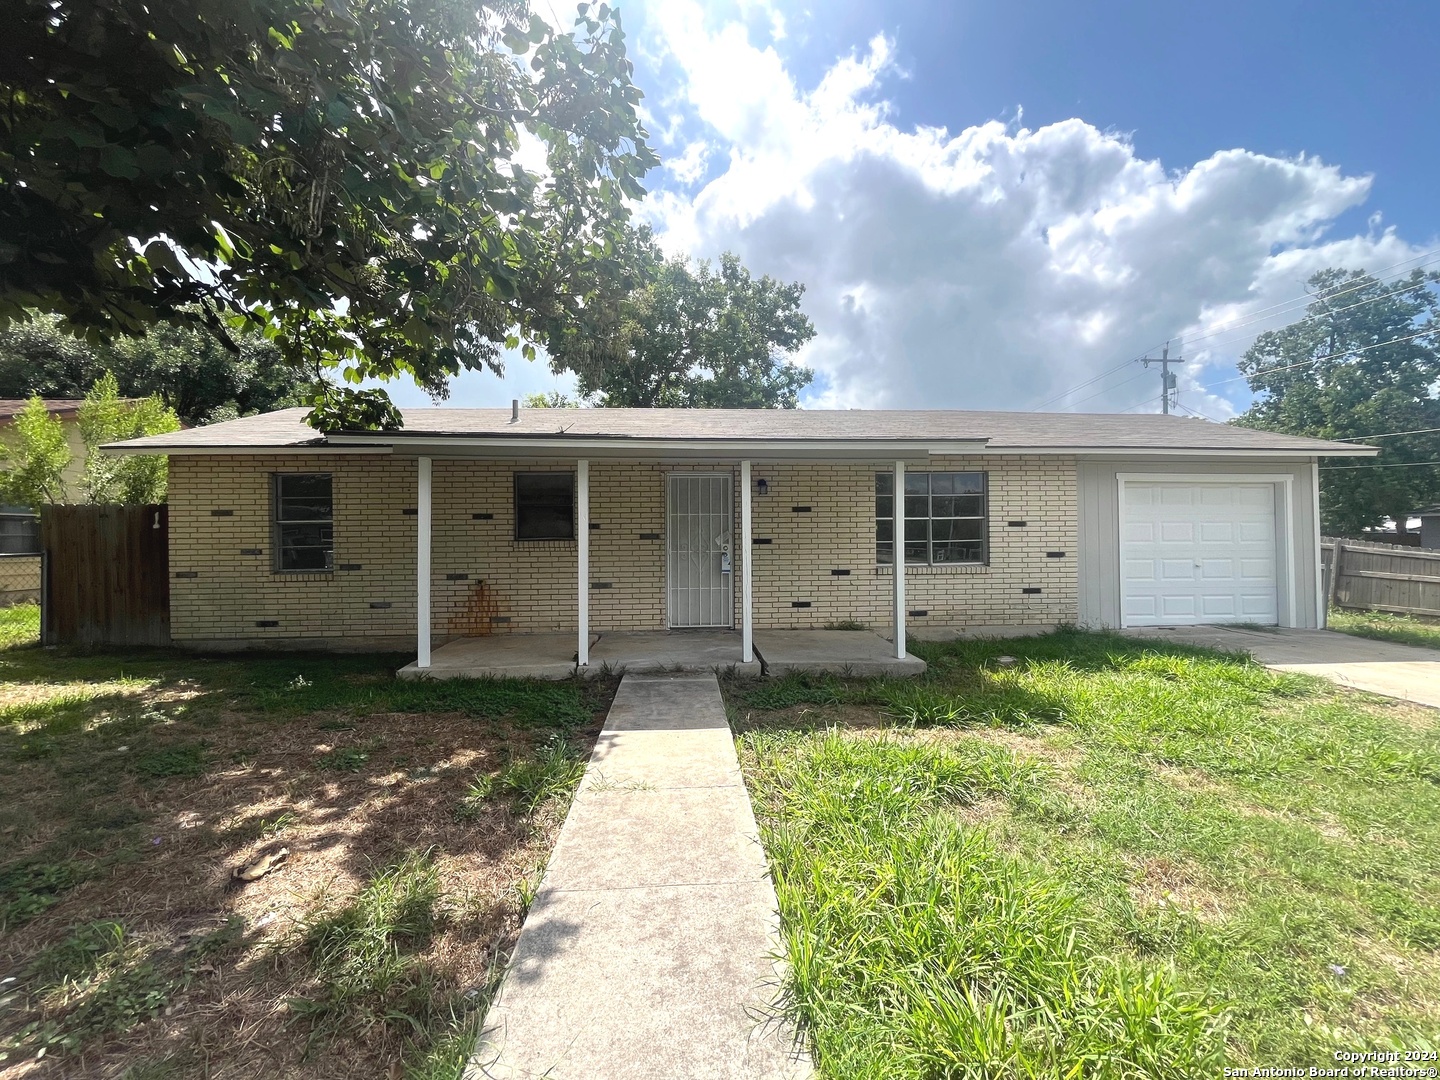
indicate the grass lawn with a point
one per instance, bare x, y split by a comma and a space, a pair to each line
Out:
415, 817
1405, 629
1110, 859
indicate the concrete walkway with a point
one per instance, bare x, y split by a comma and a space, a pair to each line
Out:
649, 950
1381, 667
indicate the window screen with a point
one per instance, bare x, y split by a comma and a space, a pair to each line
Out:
545, 506
304, 522
945, 518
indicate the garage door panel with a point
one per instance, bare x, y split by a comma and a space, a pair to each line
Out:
1198, 552
1140, 532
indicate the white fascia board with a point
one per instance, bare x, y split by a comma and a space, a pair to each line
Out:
633, 448
121, 450
1149, 453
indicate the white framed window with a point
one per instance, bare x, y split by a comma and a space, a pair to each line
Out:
303, 523
946, 519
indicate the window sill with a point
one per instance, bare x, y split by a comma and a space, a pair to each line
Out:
318, 575
940, 570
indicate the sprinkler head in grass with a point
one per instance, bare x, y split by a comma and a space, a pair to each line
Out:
1005, 661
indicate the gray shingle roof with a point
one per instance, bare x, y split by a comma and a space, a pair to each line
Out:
998, 430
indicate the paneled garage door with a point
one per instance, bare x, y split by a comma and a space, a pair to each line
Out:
1198, 553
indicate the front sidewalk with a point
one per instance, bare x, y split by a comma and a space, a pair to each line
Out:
650, 949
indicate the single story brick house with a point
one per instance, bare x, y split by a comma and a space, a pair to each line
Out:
475, 523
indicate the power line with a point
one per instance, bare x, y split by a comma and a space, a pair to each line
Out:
1108, 389
1260, 315
1255, 316
1388, 434
1242, 336
1394, 465
1318, 359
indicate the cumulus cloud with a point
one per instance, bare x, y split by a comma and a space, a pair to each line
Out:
991, 267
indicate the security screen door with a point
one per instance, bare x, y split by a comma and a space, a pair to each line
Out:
699, 550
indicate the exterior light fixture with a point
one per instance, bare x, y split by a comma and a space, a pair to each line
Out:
762, 486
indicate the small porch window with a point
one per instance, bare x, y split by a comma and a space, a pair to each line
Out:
304, 523
945, 518
545, 506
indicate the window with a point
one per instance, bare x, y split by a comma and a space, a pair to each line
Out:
944, 518
19, 533
304, 522
545, 506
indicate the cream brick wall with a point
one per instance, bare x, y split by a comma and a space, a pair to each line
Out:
798, 565
224, 590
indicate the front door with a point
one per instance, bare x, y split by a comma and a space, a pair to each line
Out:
698, 542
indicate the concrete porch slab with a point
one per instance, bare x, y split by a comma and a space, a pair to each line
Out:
653, 651
853, 652
501, 656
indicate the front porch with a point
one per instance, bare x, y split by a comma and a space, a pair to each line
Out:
554, 656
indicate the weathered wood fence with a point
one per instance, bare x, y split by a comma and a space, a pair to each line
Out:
106, 576
1381, 577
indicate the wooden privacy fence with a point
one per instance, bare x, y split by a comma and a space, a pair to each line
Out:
1381, 577
106, 575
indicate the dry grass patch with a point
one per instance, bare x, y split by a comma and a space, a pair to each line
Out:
367, 944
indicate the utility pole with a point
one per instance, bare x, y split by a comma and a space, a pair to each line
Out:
1167, 380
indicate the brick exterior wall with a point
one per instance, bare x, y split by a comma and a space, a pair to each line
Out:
224, 590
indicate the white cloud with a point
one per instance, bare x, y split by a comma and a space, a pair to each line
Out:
989, 268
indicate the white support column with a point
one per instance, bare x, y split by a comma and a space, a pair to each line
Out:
582, 544
422, 564
747, 627
898, 560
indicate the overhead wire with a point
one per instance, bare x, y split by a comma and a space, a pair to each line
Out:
1262, 315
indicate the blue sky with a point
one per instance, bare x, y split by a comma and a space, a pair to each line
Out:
991, 204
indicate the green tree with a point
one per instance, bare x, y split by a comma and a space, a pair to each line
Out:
105, 417
1363, 361
342, 175
551, 399
39, 454
191, 370
696, 338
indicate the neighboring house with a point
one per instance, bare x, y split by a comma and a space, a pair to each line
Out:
1429, 518
594, 520
67, 411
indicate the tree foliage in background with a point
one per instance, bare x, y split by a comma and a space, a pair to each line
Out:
343, 175
36, 457
693, 337
104, 417
1363, 361
191, 371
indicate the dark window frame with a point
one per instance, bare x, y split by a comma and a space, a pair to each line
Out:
280, 523
520, 526
885, 498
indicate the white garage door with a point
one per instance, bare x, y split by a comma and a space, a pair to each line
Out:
1198, 553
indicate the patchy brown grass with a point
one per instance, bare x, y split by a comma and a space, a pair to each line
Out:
148, 791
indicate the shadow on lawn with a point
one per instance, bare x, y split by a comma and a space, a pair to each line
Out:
137, 783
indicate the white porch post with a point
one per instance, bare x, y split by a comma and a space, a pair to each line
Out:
582, 544
747, 629
898, 560
422, 564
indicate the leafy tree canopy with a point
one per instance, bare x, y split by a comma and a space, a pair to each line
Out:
36, 456
186, 366
343, 175
1364, 361
135, 479
695, 337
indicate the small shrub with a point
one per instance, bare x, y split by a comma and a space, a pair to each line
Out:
27, 889
364, 954
552, 772
795, 688
184, 759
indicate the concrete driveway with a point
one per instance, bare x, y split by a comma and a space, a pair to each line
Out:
1381, 667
